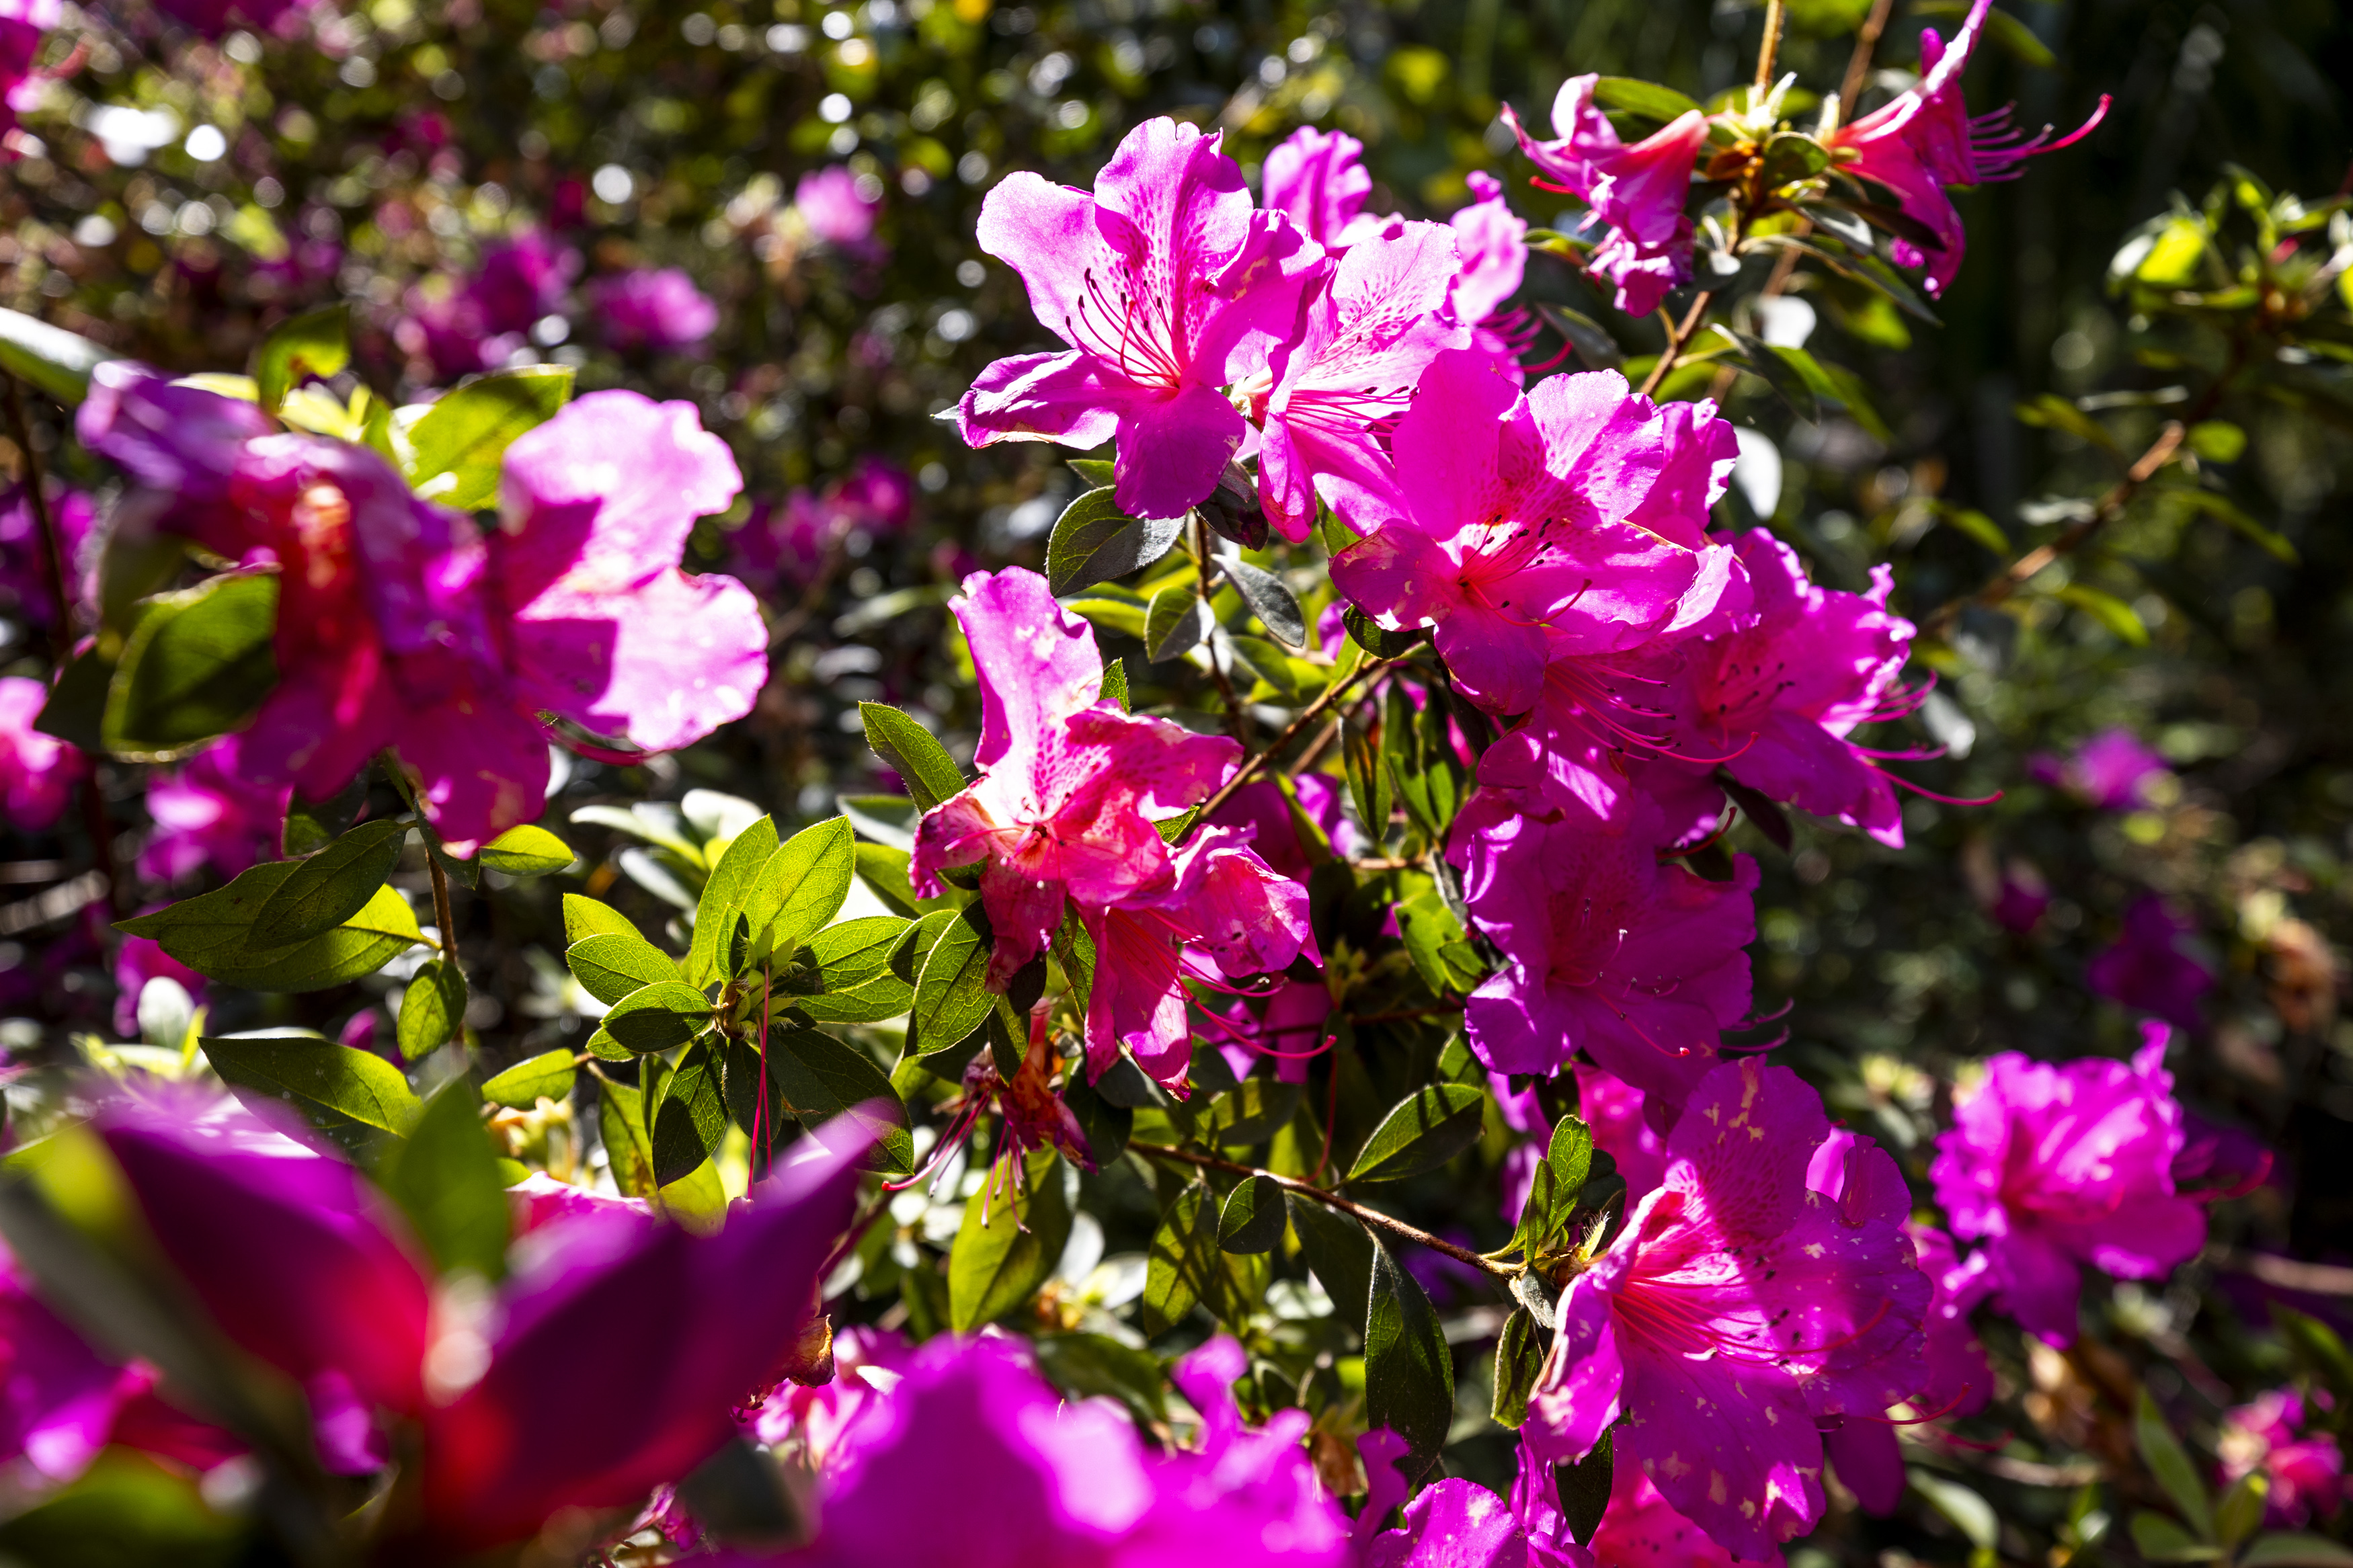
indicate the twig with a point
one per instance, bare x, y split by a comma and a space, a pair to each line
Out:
441, 915
2027, 567
1677, 336
1253, 766
1859, 63
1330, 1200
1766, 50
2287, 1274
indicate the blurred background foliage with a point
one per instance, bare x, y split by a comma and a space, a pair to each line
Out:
379, 154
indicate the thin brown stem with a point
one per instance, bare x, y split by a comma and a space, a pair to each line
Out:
1677, 336
1770, 47
1858, 64
1316, 748
1330, 1200
441, 915
1253, 766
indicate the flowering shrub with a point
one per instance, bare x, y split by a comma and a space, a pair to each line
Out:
1339, 870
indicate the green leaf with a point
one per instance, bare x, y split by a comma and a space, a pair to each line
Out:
1583, 1488
76, 709
1087, 1366
1424, 1131
1339, 1251
1791, 156
459, 445
1646, 98
1184, 1255
2217, 441
196, 666
57, 362
614, 965
1519, 1364
690, 1116
2288, 1550
527, 851
1969, 1513
2225, 511
802, 886
2108, 609
445, 1180
1105, 1126
951, 998
620, 1121
584, 917
1006, 1246
311, 824
812, 1079
316, 343
2160, 1540
2053, 411
1253, 1111
1074, 949
331, 887
912, 752
1114, 684
2170, 1463
2240, 1511
1175, 622
1270, 599
1408, 1372
853, 961
1438, 945
1094, 472
1368, 779
548, 1076
659, 1016
1553, 1194
353, 1096
724, 894
1095, 541
1253, 1216
432, 1010
211, 934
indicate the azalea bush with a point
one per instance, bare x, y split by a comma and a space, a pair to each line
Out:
1044, 784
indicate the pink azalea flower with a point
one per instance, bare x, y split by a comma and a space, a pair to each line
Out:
521, 279
207, 812
178, 444
1492, 252
653, 307
37, 772
23, 23
1612, 1108
1370, 332
2150, 968
1167, 286
835, 204
214, 17
139, 960
1924, 139
1069, 785
831, 1419
2051, 1167
2111, 771
1738, 1314
2306, 1472
24, 588
1317, 179
1509, 527
1640, 1528
1455, 1523
60, 1398
1043, 1482
1637, 192
1639, 966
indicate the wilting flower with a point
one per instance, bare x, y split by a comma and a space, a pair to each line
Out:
1069, 785
1042, 1482
1924, 139
2306, 1472
37, 772
653, 307
1369, 333
1509, 528
1738, 1313
1637, 192
2151, 967
207, 812
298, 1263
2051, 1167
1639, 966
835, 203
1167, 285
23, 556
2111, 771
1317, 179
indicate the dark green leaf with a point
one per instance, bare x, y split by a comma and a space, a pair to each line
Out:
1592, 341
657, 1017
739, 1498
1339, 1251
802, 887
612, 965
315, 343
527, 851
55, 360
724, 894
1093, 541
548, 1076
196, 666
331, 887
1583, 1488
1790, 155
1178, 1271
1368, 779
951, 998
1408, 1372
1252, 1112
997, 1266
1175, 622
2170, 1463
1425, 1130
1519, 1363
76, 709
691, 1116
1646, 98
1269, 598
212, 933
432, 1010
1253, 1216
853, 961
459, 445
445, 1180
312, 824
353, 1096
816, 1078
913, 754
1104, 1125
1759, 808
2290, 1550
1114, 684
1074, 949
584, 917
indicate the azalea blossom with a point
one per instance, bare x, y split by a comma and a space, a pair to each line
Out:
207, 812
37, 772
1637, 966
2305, 1468
835, 203
180, 446
23, 24
653, 307
2151, 968
1636, 191
1168, 286
1739, 1313
1924, 139
1492, 252
25, 584
1508, 527
1640, 1528
2051, 1166
2111, 770
1069, 785
1318, 180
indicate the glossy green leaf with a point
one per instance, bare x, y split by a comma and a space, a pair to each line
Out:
951, 998
584, 917
1006, 1245
548, 1076
853, 962
1646, 98
1554, 1190
1583, 1488
2170, 1463
657, 1018
913, 754
1184, 1255
802, 887
1422, 1132
612, 965
311, 824
457, 447
1339, 1251
212, 933
196, 666
527, 851
330, 887
315, 343
1174, 623
629, 1150
57, 362
724, 895
445, 1178
690, 1116
1408, 1370
1252, 1219
432, 1009
1519, 1364
353, 1096
1095, 541
1269, 598
817, 1078
1439, 947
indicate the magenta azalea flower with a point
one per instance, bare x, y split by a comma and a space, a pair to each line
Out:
1640, 1528
2150, 968
207, 812
1512, 527
178, 444
23, 556
1924, 139
1638, 966
2306, 1472
835, 204
1612, 1108
1048, 1483
23, 23
520, 279
37, 772
1637, 192
1491, 247
1167, 286
1069, 785
2051, 1167
653, 307
2111, 771
1738, 1314
1370, 332
1317, 179
214, 17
